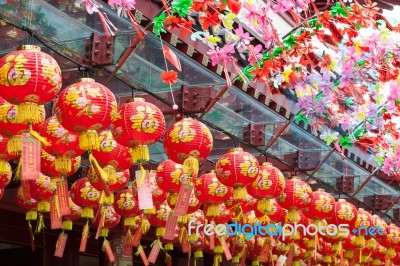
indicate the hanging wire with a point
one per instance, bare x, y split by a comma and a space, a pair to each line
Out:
175, 106
29, 39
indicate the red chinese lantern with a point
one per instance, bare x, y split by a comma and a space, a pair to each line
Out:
188, 141
138, 125
211, 192
126, 205
224, 215
43, 191
159, 219
296, 196
277, 213
194, 203
344, 213
106, 219
5, 176
269, 184
64, 144
85, 195
48, 165
11, 128
76, 213
321, 206
4, 156
85, 108
29, 78
391, 240
168, 177
112, 156
121, 181
237, 169
30, 205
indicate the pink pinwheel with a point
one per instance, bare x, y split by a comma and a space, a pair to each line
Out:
255, 53
252, 12
244, 38
283, 6
221, 54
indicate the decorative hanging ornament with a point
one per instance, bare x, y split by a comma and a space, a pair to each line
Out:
43, 191
211, 192
138, 125
76, 213
85, 195
321, 206
269, 184
237, 169
4, 156
48, 166
169, 176
112, 156
64, 144
29, 78
296, 196
121, 182
85, 108
188, 141
344, 213
106, 219
13, 129
126, 205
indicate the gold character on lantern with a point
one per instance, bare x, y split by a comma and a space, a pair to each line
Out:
89, 193
125, 202
16, 76
264, 183
49, 72
182, 132
248, 167
345, 212
323, 204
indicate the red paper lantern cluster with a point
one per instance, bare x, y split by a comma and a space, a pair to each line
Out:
85, 195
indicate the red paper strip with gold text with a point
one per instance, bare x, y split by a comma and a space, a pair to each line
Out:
155, 250
107, 249
26, 190
143, 256
212, 241
182, 203
136, 237
170, 227
145, 196
60, 245
63, 198
55, 218
30, 157
186, 248
227, 252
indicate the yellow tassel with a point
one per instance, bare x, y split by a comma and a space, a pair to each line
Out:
168, 246
293, 216
265, 206
66, 225
30, 112
40, 224
172, 198
36, 135
14, 145
145, 226
376, 262
198, 254
150, 211
130, 221
191, 166
160, 231
140, 154
193, 238
18, 171
213, 210
111, 173
235, 260
97, 169
217, 259
63, 164
104, 200
371, 244
5, 167
255, 263
104, 232
327, 259
348, 254
359, 241
183, 219
31, 215
218, 249
87, 213
239, 193
140, 248
391, 253
43, 206
89, 140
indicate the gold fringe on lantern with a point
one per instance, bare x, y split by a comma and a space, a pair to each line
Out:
63, 164
349, 254
217, 259
193, 237
5, 167
239, 193
168, 246
198, 254
173, 197
97, 168
391, 253
14, 145
235, 260
376, 262
140, 154
293, 216
327, 259
31, 215
360, 241
43, 206
67, 225
150, 211
37, 136
213, 210
111, 173
87, 213
160, 231
265, 206
89, 140
104, 232
191, 166
40, 224
130, 221
145, 226
183, 219
255, 263
104, 200
30, 112
18, 171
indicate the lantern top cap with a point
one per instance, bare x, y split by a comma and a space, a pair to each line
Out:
29, 48
267, 164
85, 80
138, 99
320, 190
361, 209
295, 177
341, 200
235, 149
